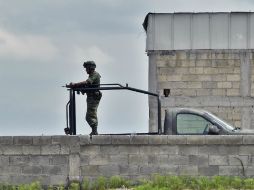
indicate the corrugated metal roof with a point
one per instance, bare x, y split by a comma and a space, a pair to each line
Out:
219, 30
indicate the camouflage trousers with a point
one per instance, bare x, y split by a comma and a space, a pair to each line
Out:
91, 113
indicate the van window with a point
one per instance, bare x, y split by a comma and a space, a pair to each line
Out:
191, 124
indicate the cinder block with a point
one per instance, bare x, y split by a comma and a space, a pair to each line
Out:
230, 170
57, 179
233, 139
194, 85
140, 159
246, 150
168, 170
235, 160
11, 149
7, 170
27, 179
120, 139
204, 77
234, 78
196, 70
188, 150
23, 140
195, 139
250, 172
89, 150
65, 140
128, 149
59, 160
228, 150
213, 139
101, 139
208, 170
218, 78
163, 149
155, 159
139, 139
188, 170
33, 170
178, 160
84, 160
4, 178
204, 92
19, 160
31, 149
233, 92
168, 149
188, 77
99, 159
128, 170
209, 85
224, 84
65, 149
248, 139
203, 63
218, 160
84, 139
6, 140
210, 70
172, 78
158, 139
228, 70
109, 149
50, 149
198, 160
109, 170
119, 159
55, 170
90, 170
148, 170
74, 148
208, 150
177, 139
4, 160
42, 140
39, 160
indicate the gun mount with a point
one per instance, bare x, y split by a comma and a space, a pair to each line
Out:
71, 105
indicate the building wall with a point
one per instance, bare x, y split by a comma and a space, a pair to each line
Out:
55, 159
214, 30
220, 81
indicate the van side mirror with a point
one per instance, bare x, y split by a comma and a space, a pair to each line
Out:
213, 130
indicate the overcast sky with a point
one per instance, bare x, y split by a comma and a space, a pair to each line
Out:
43, 45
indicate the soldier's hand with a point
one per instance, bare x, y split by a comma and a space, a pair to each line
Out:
70, 85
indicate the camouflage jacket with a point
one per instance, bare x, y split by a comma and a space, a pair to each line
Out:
94, 81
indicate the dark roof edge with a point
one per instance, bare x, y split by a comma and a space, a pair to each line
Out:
145, 23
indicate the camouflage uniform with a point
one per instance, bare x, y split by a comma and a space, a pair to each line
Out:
93, 100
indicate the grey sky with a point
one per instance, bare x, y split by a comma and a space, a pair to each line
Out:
44, 43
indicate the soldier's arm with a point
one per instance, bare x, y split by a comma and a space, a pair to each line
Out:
78, 84
91, 79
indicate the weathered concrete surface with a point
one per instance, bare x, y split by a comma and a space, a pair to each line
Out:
220, 81
53, 159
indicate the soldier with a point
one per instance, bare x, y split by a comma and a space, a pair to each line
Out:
93, 97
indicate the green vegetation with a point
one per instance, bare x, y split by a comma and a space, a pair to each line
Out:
157, 182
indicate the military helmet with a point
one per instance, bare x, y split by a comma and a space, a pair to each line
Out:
90, 64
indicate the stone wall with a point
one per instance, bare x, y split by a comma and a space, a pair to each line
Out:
54, 159
220, 81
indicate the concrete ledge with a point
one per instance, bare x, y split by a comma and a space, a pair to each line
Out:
54, 159
128, 139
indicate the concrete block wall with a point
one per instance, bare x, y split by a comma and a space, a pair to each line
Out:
55, 159
220, 81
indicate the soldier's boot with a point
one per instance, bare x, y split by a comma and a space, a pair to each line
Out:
94, 131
